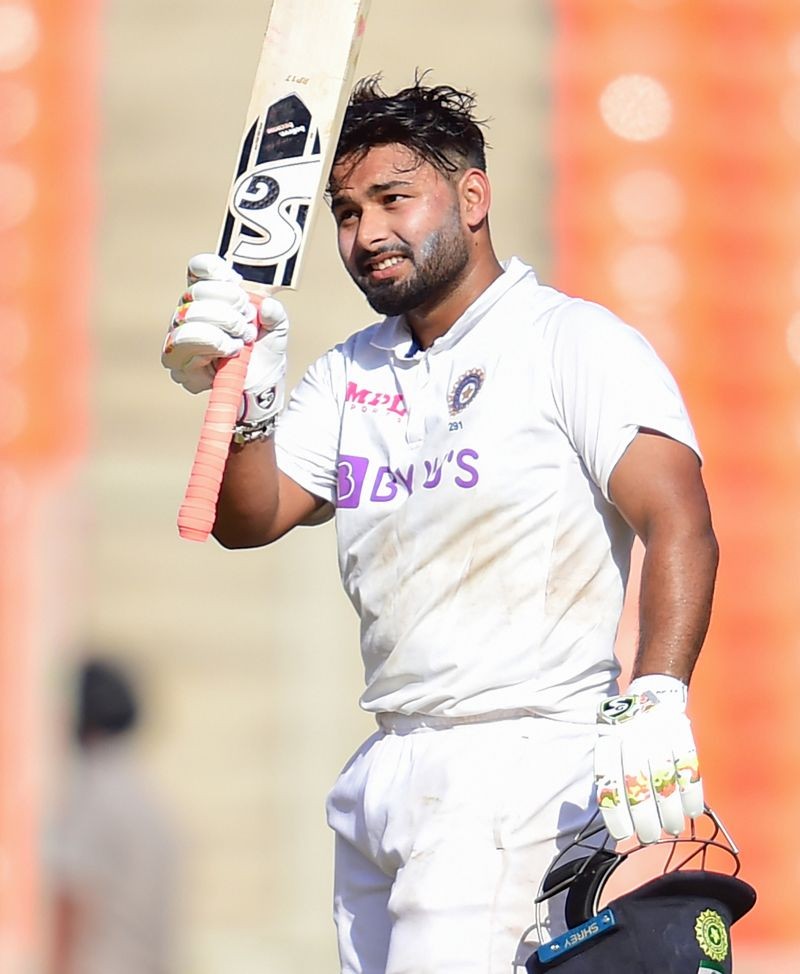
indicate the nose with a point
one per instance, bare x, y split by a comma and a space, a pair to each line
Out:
372, 228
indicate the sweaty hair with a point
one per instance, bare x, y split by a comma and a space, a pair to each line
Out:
436, 123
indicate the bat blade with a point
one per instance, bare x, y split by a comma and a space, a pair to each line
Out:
269, 202
293, 121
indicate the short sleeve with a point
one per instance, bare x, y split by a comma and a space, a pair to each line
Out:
307, 437
608, 383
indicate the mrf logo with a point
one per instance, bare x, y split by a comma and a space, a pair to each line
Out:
358, 479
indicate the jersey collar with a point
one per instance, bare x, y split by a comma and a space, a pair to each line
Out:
394, 335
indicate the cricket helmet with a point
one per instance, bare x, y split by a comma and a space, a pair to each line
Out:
676, 923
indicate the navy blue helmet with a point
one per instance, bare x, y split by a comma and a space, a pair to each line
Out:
676, 923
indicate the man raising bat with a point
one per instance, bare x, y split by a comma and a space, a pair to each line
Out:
489, 449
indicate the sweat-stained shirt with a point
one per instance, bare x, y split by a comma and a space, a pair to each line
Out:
476, 537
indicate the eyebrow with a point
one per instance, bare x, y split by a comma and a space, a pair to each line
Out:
375, 190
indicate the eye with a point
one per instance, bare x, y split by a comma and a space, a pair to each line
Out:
392, 198
344, 216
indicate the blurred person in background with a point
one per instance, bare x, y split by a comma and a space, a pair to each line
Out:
112, 855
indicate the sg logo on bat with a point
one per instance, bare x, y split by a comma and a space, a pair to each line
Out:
267, 200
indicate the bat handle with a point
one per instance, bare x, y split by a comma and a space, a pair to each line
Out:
198, 511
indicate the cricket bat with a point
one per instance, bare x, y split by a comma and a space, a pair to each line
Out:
299, 95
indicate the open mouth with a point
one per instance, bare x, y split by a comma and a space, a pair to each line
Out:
387, 262
382, 268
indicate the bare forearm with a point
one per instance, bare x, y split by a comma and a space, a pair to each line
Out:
677, 588
258, 503
248, 501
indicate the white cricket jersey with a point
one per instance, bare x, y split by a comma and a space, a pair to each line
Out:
476, 537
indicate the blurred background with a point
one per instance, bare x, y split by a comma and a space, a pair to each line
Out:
644, 155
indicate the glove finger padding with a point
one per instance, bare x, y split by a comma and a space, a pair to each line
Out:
690, 784
213, 320
219, 314
210, 267
226, 292
650, 777
664, 779
215, 317
191, 350
264, 384
609, 779
646, 768
272, 317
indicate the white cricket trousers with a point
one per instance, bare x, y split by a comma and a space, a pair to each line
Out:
443, 834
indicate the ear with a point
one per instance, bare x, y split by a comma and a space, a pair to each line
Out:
475, 194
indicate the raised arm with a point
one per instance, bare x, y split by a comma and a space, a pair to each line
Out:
257, 503
213, 320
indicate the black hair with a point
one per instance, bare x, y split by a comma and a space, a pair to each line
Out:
106, 700
436, 123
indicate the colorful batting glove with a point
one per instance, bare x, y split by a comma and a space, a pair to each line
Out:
645, 761
215, 317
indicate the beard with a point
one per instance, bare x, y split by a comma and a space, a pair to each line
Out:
435, 272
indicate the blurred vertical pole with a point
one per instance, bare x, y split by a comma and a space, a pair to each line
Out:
678, 205
48, 60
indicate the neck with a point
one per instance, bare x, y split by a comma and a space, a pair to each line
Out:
432, 320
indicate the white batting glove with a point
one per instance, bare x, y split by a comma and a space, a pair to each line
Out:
645, 761
213, 320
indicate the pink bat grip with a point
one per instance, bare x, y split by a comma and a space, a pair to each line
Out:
199, 508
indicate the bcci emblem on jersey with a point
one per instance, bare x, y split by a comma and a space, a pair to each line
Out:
464, 390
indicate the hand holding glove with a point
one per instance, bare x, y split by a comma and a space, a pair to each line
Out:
646, 767
214, 319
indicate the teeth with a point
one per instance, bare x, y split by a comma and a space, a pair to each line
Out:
389, 262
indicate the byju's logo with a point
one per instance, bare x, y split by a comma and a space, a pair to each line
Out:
358, 479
